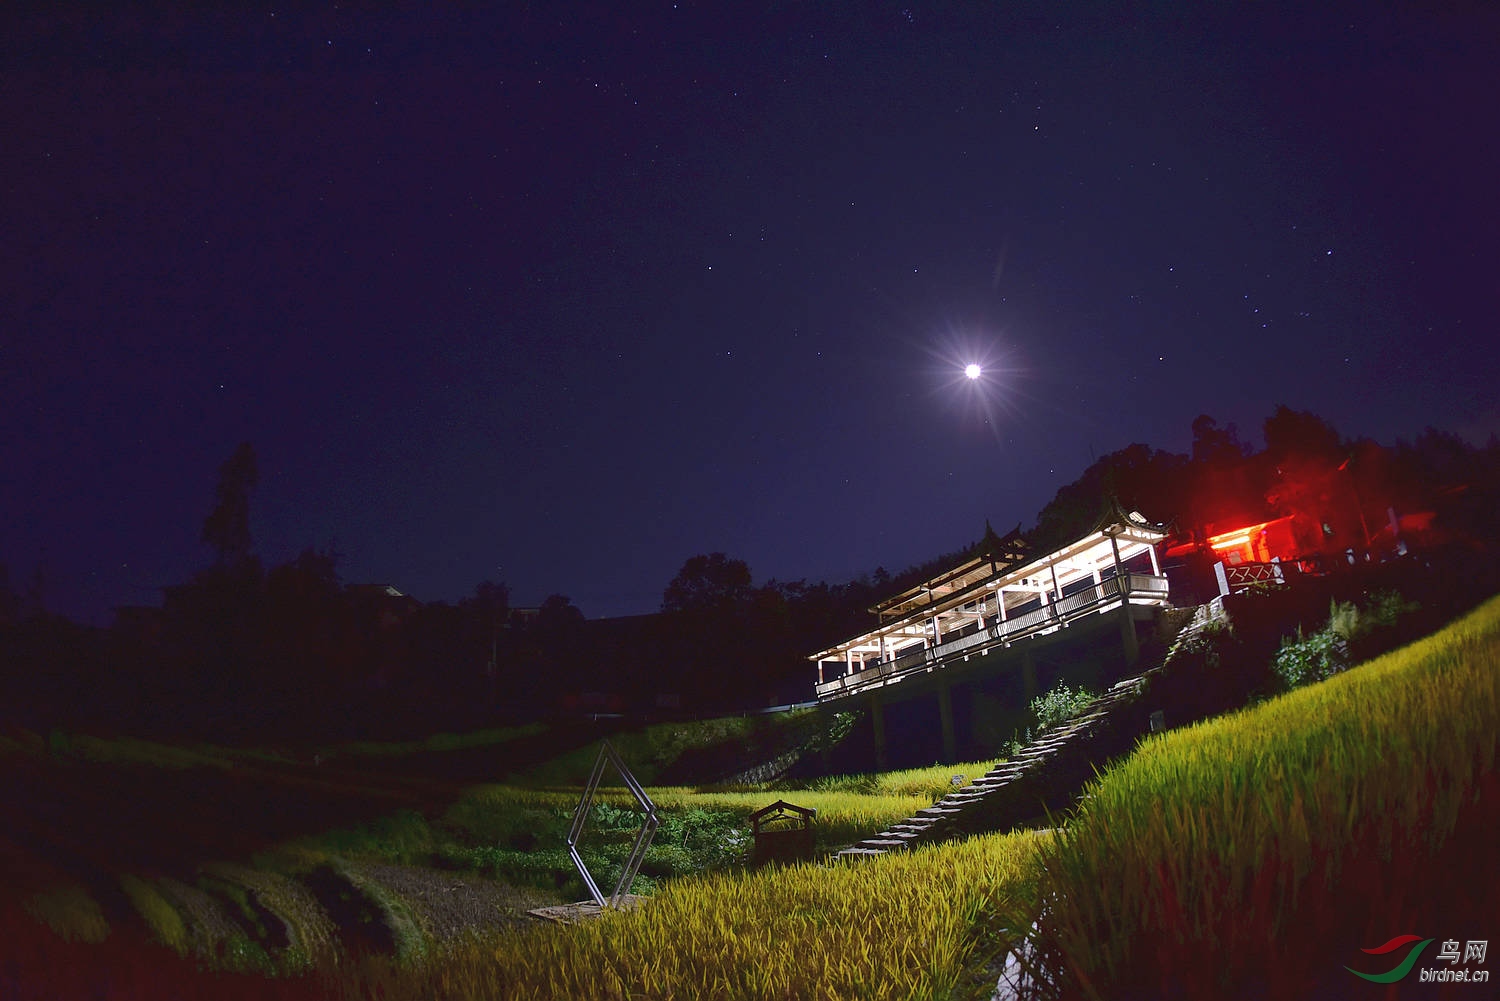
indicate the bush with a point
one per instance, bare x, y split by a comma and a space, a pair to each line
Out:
1053, 709
1353, 634
1059, 705
1312, 658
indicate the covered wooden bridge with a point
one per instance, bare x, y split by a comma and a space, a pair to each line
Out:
1004, 596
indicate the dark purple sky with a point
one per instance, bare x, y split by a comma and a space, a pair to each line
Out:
561, 298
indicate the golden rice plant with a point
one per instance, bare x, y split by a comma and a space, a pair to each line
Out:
934, 781
70, 911
925, 924
1244, 845
160, 916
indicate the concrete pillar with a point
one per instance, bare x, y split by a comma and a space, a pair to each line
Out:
877, 721
1028, 677
945, 719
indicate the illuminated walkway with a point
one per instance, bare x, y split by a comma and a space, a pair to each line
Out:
1000, 597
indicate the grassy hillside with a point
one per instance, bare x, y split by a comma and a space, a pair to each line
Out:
1250, 855
1260, 851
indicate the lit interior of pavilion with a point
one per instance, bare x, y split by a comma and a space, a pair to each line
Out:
1002, 594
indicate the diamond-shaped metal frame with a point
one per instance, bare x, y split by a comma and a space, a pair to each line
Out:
609, 756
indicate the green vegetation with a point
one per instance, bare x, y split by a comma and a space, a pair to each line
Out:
437, 743
1059, 705
932, 782
653, 750
1352, 634
1053, 709
1250, 854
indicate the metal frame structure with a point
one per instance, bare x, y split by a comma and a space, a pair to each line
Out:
608, 755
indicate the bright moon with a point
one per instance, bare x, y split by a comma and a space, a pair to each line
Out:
972, 371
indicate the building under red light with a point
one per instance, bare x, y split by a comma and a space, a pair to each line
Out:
1275, 539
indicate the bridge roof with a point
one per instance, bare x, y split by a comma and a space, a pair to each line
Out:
992, 555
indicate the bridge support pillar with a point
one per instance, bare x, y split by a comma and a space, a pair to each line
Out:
1127, 635
1028, 677
945, 718
877, 721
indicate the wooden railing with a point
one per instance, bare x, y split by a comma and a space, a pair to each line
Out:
1141, 589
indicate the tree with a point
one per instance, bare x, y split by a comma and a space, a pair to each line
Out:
227, 527
707, 582
1301, 435
558, 614
1223, 485
1136, 477
1216, 446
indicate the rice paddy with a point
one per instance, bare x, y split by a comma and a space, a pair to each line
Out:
1249, 855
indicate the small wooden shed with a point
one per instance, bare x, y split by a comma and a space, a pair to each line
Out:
782, 832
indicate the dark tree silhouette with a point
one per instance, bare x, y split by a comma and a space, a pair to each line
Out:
1224, 485
1137, 477
1302, 435
707, 582
558, 614
1214, 445
227, 527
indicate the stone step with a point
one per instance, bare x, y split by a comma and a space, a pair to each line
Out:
861, 853
885, 844
938, 812
970, 793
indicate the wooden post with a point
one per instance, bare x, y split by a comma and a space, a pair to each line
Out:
1028, 676
877, 721
1127, 624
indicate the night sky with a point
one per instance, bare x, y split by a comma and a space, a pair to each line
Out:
562, 297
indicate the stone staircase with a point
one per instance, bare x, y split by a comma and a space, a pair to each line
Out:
1044, 776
